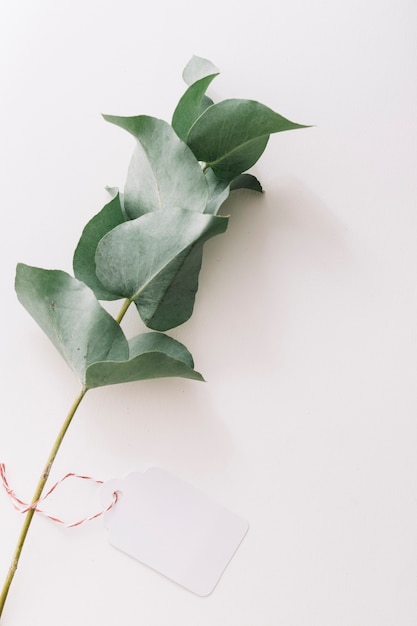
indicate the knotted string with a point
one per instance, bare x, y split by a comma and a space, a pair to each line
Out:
24, 507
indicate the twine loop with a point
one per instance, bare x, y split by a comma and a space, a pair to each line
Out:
24, 507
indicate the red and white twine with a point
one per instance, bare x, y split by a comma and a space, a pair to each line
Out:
24, 507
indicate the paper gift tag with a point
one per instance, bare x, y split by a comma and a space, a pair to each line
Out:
172, 527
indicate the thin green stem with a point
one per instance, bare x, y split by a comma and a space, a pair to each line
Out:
123, 310
43, 479
38, 492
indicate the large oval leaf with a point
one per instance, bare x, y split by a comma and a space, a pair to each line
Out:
134, 254
152, 355
163, 172
231, 136
69, 314
84, 263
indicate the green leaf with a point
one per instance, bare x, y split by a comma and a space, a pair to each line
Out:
113, 192
198, 74
218, 192
84, 263
165, 304
231, 136
198, 68
158, 342
246, 181
68, 312
191, 106
152, 355
143, 258
163, 172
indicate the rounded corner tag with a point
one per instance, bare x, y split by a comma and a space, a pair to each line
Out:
173, 528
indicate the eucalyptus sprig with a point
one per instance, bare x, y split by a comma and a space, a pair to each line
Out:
145, 246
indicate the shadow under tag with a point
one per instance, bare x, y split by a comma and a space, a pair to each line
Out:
172, 527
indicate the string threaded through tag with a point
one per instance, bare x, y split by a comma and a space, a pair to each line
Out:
24, 507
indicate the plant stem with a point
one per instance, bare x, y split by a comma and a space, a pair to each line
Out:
42, 481
38, 492
123, 310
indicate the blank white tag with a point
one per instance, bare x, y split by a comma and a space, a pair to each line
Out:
173, 528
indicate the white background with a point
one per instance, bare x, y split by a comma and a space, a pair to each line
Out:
305, 325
